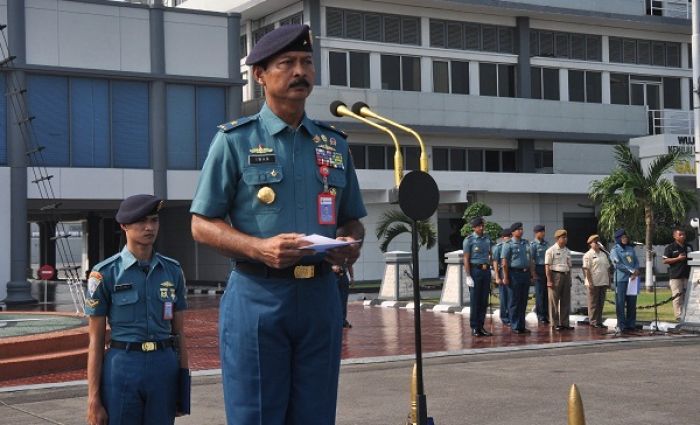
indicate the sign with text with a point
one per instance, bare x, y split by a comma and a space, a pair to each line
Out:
691, 312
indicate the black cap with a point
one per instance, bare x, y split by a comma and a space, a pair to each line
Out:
515, 226
505, 233
476, 221
287, 38
539, 228
137, 207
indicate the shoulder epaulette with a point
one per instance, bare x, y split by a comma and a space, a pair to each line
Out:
330, 127
171, 260
102, 264
226, 127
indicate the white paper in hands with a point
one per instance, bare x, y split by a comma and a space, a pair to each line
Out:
322, 244
633, 286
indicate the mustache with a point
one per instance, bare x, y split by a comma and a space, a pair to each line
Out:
299, 83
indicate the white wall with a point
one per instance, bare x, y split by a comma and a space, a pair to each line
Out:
196, 45
94, 183
4, 224
84, 35
580, 158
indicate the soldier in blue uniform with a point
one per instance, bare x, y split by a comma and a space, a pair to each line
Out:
277, 176
142, 295
503, 292
477, 259
626, 265
517, 273
538, 247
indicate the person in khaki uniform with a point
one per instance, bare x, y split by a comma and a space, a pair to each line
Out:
676, 256
596, 269
557, 262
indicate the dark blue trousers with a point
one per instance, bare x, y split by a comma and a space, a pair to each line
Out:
519, 288
140, 388
344, 292
504, 298
479, 296
280, 350
625, 306
541, 293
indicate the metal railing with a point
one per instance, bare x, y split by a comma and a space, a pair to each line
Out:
669, 121
669, 8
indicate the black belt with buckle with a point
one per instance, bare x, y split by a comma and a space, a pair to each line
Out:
519, 270
481, 266
145, 346
301, 271
557, 271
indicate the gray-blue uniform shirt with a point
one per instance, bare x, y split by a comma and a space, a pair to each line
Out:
537, 251
625, 261
478, 247
134, 300
516, 253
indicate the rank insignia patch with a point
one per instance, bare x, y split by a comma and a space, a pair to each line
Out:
261, 149
94, 281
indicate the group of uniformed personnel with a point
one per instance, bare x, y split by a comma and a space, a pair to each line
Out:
276, 176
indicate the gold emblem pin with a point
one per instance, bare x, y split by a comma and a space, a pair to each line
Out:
266, 195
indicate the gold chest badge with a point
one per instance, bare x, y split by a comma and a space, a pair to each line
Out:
266, 195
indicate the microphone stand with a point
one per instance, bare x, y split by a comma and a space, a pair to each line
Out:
654, 328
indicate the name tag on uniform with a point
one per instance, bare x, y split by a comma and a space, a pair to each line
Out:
122, 287
326, 208
168, 310
261, 159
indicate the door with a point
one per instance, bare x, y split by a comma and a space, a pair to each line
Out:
579, 226
647, 93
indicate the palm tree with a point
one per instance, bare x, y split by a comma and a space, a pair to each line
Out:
394, 223
632, 197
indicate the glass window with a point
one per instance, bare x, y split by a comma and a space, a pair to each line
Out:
411, 157
359, 70
373, 27
89, 122
644, 52
536, 82
475, 158
47, 97
437, 33
534, 43
594, 90
392, 29
441, 82
211, 111
391, 72
615, 49
458, 160
180, 131
334, 22
130, 141
376, 157
489, 37
619, 89
578, 46
410, 73
672, 93
338, 68
472, 37
506, 80
493, 160
505, 40
546, 44
658, 53
508, 159
460, 77
594, 48
629, 51
673, 55
454, 35
353, 25
359, 156
441, 159
561, 45
410, 31
488, 79
550, 83
576, 86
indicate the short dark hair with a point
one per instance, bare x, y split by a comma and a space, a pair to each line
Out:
678, 229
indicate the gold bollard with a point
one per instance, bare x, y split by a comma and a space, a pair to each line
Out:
576, 415
413, 412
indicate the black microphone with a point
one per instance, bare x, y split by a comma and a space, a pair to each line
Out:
335, 105
637, 243
357, 107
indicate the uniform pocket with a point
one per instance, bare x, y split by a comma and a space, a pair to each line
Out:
257, 177
124, 306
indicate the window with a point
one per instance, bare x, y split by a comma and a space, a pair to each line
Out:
497, 80
89, 122
492, 160
449, 159
585, 86
458, 159
376, 157
544, 83
130, 143
260, 32
441, 159
508, 161
358, 69
475, 160
645, 52
367, 26
544, 160
292, 20
672, 93
358, 153
451, 77
400, 73
243, 46
471, 36
619, 89
47, 98
566, 45
411, 157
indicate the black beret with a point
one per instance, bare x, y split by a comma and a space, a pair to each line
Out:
287, 38
137, 207
505, 233
539, 228
516, 226
476, 221
619, 233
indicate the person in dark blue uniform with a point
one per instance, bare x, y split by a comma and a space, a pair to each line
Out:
477, 259
142, 295
503, 292
518, 271
277, 176
538, 247
345, 279
626, 265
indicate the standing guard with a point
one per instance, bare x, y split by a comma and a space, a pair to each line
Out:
518, 271
538, 247
477, 257
503, 292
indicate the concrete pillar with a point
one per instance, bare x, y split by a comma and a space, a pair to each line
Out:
525, 157
156, 102
474, 78
312, 15
455, 293
47, 246
426, 74
605, 83
18, 289
234, 93
93, 240
522, 35
564, 85
397, 284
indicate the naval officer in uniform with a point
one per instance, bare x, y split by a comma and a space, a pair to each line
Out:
538, 247
142, 295
477, 257
278, 175
518, 271
503, 291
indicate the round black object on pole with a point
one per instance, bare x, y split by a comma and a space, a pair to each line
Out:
418, 195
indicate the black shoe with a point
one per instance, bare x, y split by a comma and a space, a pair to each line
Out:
600, 326
521, 331
347, 325
557, 328
567, 328
484, 332
475, 332
542, 320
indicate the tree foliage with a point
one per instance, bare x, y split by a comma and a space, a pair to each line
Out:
394, 223
480, 209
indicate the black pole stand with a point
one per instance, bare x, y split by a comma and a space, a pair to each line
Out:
422, 405
654, 328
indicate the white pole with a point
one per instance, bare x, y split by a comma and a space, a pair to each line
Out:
696, 86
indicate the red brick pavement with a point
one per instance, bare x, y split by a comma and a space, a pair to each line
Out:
376, 332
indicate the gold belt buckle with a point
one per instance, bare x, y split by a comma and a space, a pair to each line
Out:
303, 272
148, 346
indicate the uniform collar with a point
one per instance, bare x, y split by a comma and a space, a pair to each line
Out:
274, 124
129, 260
477, 236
